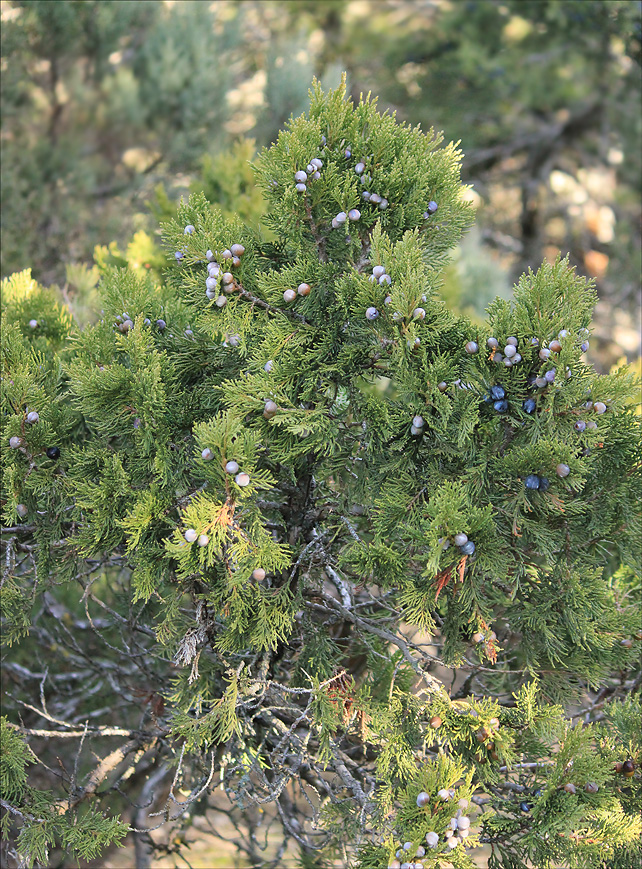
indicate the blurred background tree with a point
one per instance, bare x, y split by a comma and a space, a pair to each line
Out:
113, 110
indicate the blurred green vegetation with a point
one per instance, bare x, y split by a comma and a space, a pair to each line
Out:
111, 111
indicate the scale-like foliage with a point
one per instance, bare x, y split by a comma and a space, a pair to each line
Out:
290, 469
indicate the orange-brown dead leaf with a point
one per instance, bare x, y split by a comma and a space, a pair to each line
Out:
557, 502
225, 515
443, 578
340, 691
491, 651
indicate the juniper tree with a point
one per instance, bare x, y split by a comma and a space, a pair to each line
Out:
253, 513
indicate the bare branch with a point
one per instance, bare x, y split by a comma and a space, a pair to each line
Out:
74, 734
